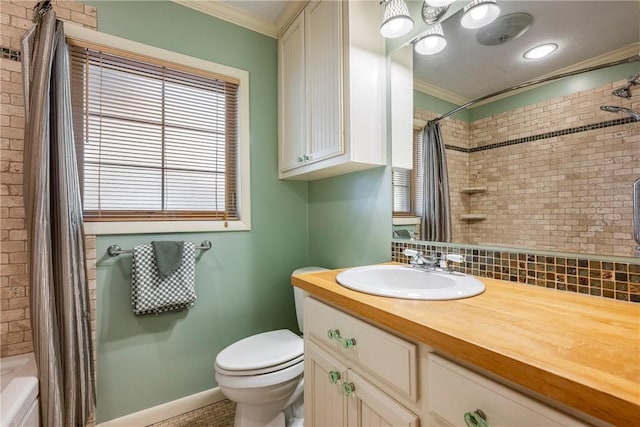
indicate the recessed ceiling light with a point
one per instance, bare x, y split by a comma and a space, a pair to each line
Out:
540, 51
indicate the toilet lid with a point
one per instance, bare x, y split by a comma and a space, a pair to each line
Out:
261, 351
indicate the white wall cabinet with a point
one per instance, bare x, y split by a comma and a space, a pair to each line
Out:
359, 375
332, 85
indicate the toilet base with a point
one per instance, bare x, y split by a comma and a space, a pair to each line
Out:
259, 416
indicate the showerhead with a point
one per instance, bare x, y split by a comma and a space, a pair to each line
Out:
616, 109
623, 92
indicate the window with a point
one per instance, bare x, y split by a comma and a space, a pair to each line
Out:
157, 140
407, 184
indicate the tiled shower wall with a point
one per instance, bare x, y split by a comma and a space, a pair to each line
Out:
558, 174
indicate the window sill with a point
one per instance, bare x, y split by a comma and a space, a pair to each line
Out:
158, 227
406, 220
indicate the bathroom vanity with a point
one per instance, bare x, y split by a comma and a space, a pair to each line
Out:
515, 355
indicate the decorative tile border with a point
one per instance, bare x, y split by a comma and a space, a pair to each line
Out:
552, 134
602, 278
12, 54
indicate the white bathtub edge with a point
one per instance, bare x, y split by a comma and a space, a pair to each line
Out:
167, 410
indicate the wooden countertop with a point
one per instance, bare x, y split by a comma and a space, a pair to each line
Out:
580, 350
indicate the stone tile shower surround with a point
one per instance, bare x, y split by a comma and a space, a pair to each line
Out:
571, 273
558, 173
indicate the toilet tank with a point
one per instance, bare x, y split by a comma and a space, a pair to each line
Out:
299, 294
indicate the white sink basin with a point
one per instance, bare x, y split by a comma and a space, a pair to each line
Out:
399, 281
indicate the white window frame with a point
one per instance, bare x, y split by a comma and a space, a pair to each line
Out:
243, 179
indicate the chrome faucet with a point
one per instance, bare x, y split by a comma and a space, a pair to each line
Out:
418, 260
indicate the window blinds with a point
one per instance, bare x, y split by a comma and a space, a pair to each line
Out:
408, 184
153, 142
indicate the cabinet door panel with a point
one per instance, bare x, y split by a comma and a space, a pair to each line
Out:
324, 401
370, 407
323, 26
292, 118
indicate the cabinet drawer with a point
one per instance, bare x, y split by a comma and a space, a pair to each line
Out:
389, 359
454, 390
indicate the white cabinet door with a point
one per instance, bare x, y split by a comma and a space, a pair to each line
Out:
324, 401
292, 117
323, 49
368, 406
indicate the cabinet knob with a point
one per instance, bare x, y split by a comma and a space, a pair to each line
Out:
348, 389
334, 377
306, 157
300, 159
349, 342
334, 334
476, 419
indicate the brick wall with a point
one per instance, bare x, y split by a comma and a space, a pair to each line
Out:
15, 324
570, 190
558, 174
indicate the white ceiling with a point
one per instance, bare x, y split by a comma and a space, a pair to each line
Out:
465, 70
583, 30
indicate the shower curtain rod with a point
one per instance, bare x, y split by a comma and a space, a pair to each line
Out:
40, 9
628, 60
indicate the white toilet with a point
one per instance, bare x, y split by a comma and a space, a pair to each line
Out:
263, 374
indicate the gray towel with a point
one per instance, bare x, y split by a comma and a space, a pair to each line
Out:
168, 257
152, 295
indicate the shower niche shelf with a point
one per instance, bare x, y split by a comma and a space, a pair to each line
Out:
473, 190
473, 217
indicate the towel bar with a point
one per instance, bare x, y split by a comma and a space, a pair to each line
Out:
115, 250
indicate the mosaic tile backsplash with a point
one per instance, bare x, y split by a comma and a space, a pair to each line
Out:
601, 278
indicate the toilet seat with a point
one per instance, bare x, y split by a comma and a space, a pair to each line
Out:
262, 353
261, 371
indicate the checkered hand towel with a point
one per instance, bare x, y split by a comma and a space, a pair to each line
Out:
152, 295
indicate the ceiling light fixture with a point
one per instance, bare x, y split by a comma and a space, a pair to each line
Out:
432, 13
431, 42
397, 21
540, 51
439, 3
479, 13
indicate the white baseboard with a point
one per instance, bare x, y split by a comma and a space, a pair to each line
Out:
167, 410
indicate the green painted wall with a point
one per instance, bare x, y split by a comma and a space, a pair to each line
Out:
350, 219
425, 102
243, 283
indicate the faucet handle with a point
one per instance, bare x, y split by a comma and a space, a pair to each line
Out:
412, 253
458, 259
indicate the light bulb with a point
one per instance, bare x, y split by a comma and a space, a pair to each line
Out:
479, 12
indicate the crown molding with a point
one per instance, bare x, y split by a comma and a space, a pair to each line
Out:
290, 11
231, 14
438, 92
